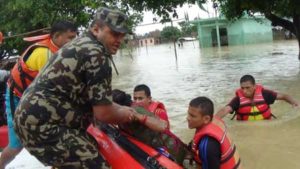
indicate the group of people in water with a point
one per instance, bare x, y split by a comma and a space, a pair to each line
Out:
211, 146
60, 85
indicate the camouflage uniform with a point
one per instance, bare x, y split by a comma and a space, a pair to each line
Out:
155, 139
54, 112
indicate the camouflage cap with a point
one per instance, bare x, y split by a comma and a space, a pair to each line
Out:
114, 19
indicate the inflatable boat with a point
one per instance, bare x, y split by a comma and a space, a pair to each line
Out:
120, 150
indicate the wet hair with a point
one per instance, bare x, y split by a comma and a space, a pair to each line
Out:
121, 98
142, 87
247, 78
62, 26
205, 104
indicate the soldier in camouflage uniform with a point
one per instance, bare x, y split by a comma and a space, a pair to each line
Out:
73, 87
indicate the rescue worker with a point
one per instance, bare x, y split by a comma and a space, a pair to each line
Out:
212, 147
155, 128
73, 89
252, 101
149, 129
23, 73
142, 96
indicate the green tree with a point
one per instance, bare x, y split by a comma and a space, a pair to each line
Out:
284, 13
20, 16
170, 33
188, 29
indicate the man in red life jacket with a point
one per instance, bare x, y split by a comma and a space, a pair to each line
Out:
24, 72
212, 147
252, 101
142, 97
151, 128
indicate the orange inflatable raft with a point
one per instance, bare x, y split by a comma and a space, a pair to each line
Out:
119, 150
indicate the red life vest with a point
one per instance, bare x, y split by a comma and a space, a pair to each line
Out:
257, 102
156, 107
216, 129
21, 75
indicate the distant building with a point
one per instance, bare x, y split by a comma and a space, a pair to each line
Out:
149, 41
221, 32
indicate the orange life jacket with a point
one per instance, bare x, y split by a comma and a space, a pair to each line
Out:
21, 76
217, 129
155, 107
258, 102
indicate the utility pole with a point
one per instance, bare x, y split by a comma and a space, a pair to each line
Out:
174, 42
215, 6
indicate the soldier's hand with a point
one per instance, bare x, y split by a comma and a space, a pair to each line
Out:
128, 114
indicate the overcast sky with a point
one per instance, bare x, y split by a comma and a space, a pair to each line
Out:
192, 10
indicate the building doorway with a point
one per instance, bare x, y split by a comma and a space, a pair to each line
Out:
223, 37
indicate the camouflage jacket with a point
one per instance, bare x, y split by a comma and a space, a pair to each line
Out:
75, 78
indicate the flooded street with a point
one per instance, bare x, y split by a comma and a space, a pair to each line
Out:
215, 73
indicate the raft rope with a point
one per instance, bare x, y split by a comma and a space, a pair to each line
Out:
21, 34
137, 153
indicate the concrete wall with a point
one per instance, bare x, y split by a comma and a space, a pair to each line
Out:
257, 31
235, 33
205, 30
240, 32
204, 36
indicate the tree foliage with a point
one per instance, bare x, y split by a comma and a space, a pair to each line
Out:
188, 29
283, 8
170, 33
284, 13
27, 15
20, 16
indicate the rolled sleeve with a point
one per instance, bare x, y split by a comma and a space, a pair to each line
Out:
269, 96
234, 104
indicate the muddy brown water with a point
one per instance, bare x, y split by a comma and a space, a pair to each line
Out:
215, 73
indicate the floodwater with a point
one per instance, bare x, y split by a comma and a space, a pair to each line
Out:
215, 73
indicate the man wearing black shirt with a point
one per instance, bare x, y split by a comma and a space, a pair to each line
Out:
252, 101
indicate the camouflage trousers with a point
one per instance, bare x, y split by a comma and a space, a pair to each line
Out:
64, 148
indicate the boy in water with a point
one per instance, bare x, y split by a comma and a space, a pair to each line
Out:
212, 147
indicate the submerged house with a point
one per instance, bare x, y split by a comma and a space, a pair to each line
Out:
222, 32
149, 41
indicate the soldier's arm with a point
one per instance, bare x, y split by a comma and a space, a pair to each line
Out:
153, 123
113, 113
